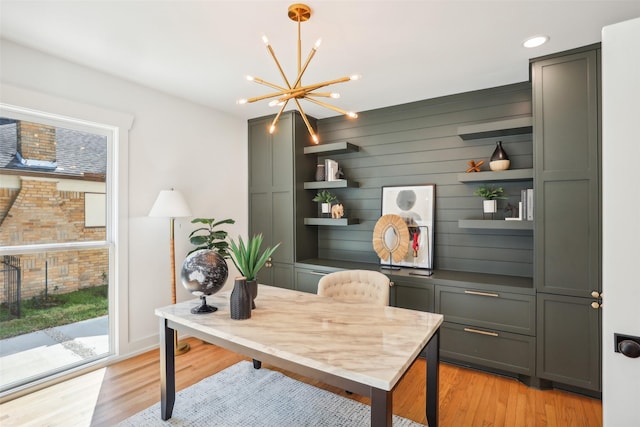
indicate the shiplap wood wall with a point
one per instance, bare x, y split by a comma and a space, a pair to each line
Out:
417, 143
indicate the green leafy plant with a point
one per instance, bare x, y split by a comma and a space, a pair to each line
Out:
325, 196
246, 257
490, 192
210, 238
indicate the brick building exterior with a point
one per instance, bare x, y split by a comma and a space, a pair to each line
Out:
45, 173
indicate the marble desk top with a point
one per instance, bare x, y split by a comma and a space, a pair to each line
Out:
372, 345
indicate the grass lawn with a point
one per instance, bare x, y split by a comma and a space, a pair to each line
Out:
40, 313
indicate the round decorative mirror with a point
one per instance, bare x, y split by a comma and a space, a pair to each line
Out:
391, 237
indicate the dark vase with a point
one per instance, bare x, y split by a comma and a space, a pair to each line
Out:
320, 173
499, 159
252, 285
240, 301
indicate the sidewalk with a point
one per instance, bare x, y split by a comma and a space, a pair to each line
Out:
36, 353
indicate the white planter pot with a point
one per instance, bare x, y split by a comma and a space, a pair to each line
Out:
490, 206
326, 208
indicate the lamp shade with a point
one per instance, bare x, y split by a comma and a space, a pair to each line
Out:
170, 204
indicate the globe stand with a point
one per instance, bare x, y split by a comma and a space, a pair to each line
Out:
203, 308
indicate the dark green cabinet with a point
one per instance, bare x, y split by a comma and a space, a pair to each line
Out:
569, 330
307, 279
411, 294
567, 231
276, 165
566, 170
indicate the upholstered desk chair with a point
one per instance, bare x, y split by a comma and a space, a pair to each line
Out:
356, 285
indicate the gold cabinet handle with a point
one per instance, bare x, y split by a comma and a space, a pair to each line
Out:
477, 331
596, 294
483, 294
595, 305
318, 273
392, 283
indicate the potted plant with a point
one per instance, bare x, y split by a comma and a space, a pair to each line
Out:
248, 261
490, 194
326, 198
210, 238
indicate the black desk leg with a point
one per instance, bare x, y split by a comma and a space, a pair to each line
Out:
167, 370
433, 361
257, 364
381, 408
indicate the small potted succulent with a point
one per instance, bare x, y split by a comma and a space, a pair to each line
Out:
490, 195
249, 261
326, 198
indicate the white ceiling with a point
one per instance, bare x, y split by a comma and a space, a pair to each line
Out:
404, 50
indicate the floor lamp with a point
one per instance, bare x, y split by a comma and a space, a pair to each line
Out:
170, 204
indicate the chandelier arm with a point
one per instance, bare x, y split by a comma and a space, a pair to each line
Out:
272, 128
275, 59
269, 95
299, 46
315, 86
306, 121
304, 68
329, 106
323, 94
266, 83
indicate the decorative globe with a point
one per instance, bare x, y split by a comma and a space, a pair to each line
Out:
203, 273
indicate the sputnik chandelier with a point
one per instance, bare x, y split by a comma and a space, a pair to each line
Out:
297, 91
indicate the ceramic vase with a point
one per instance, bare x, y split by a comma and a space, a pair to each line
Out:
499, 159
252, 285
240, 301
490, 206
320, 173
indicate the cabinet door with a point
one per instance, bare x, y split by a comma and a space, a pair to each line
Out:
414, 296
569, 341
567, 188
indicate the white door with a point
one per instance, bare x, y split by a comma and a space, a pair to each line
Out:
621, 218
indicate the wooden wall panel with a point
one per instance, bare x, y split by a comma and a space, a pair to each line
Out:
417, 143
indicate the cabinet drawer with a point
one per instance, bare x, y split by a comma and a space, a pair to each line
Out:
307, 280
499, 350
486, 309
404, 295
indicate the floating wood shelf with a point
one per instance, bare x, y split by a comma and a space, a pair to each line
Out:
495, 224
519, 126
332, 148
342, 183
508, 175
331, 221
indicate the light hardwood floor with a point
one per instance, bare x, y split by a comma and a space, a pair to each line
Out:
467, 397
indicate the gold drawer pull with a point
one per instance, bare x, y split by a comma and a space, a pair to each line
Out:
318, 273
477, 331
483, 294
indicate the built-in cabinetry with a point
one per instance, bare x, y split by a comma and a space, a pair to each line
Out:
277, 204
544, 328
566, 99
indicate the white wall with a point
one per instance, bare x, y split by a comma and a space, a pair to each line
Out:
621, 218
172, 143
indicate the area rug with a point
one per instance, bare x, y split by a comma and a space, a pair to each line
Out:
247, 397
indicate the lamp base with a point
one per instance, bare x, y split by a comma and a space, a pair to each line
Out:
181, 348
203, 308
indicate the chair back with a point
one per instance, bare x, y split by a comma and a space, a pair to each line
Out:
356, 285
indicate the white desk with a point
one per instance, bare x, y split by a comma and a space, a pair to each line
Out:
358, 347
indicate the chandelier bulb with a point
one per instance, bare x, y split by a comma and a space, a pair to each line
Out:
249, 78
334, 95
265, 40
352, 115
315, 138
273, 103
241, 101
355, 77
272, 129
317, 44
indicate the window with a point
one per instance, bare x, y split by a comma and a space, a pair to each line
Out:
56, 244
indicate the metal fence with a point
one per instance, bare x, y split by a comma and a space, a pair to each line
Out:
12, 279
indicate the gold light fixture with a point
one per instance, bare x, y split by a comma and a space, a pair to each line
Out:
297, 91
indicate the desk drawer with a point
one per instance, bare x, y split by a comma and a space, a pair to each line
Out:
499, 350
486, 309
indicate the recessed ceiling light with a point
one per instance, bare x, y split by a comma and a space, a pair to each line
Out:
535, 41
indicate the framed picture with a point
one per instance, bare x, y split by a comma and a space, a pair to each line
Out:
415, 204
